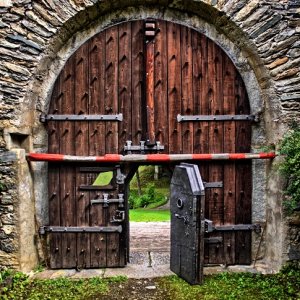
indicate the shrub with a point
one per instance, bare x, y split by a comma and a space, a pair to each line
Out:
290, 167
148, 197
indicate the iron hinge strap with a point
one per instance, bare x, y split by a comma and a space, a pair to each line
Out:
209, 227
83, 229
46, 118
196, 118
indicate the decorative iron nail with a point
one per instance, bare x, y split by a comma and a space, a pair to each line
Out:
98, 249
123, 58
56, 249
123, 34
68, 77
109, 65
94, 79
109, 40
157, 83
124, 89
68, 249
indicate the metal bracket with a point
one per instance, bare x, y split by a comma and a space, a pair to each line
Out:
210, 185
209, 227
84, 229
118, 217
46, 118
120, 178
143, 147
196, 118
213, 240
105, 201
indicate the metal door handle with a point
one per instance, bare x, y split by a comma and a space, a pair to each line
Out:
184, 218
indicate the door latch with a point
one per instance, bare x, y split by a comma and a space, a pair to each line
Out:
209, 227
118, 217
184, 218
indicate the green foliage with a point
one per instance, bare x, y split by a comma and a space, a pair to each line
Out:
290, 167
231, 286
148, 197
147, 215
16, 285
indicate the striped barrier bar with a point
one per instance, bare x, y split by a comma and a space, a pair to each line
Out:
150, 158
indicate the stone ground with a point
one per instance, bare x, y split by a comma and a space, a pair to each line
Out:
149, 257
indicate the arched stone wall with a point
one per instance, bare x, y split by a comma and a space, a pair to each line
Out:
37, 38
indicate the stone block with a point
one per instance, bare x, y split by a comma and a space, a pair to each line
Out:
5, 3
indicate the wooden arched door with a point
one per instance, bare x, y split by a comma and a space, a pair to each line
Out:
152, 81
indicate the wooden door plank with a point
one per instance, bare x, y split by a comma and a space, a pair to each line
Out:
174, 87
160, 86
67, 173
201, 106
216, 205
150, 91
111, 106
55, 246
97, 215
111, 87
125, 127
96, 102
243, 176
229, 167
125, 83
81, 97
137, 80
187, 107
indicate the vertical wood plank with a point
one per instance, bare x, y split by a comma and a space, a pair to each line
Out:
201, 106
97, 142
150, 91
243, 176
111, 87
137, 78
187, 107
229, 167
67, 173
125, 104
216, 205
81, 96
111, 106
174, 87
160, 86
96, 82
54, 180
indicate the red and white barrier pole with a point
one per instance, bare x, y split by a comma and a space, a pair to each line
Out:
147, 158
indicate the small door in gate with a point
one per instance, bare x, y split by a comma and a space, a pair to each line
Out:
187, 223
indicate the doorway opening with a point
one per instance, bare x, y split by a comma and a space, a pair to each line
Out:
149, 215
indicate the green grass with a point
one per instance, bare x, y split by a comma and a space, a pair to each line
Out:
16, 285
147, 215
231, 286
224, 286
